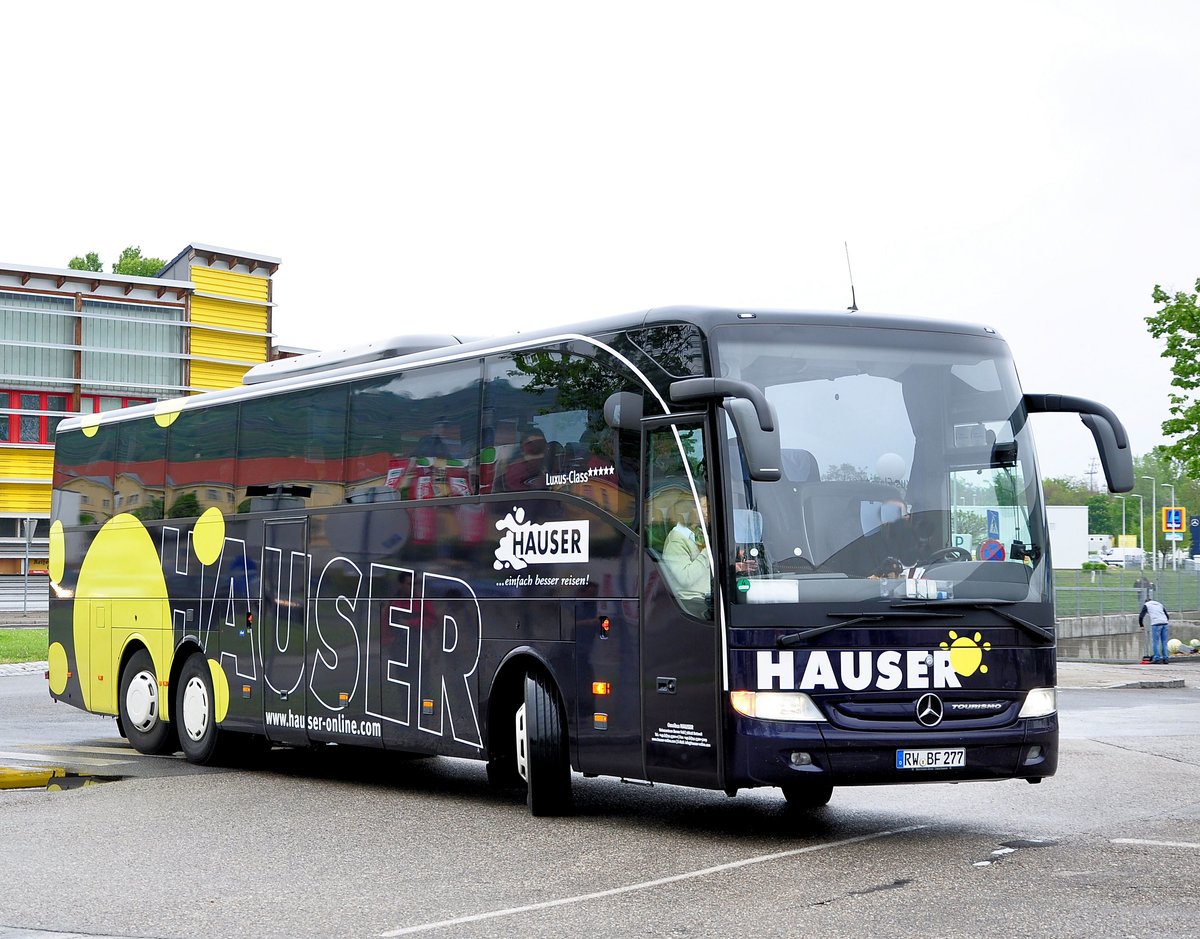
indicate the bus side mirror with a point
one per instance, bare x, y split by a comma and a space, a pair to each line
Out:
760, 446
1117, 461
1111, 439
752, 414
623, 411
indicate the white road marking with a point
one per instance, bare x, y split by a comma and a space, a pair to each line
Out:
51, 759
644, 885
1156, 844
67, 748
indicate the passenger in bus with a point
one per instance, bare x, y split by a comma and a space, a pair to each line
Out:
892, 542
685, 554
528, 471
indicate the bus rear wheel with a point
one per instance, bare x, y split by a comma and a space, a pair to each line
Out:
200, 738
807, 795
543, 758
139, 707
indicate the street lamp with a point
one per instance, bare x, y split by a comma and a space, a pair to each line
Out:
1122, 498
1172, 488
1141, 524
1153, 516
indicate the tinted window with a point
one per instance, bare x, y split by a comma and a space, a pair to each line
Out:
202, 443
664, 354
83, 475
140, 472
291, 450
544, 429
414, 435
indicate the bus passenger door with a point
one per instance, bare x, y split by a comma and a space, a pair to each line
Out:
680, 680
282, 628
100, 656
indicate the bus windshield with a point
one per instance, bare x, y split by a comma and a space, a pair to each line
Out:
908, 473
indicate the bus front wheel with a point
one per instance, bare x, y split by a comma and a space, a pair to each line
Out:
807, 795
139, 706
543, 758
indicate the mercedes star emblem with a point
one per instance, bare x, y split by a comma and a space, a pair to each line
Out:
929, 710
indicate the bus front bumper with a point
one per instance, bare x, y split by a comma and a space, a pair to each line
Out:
769, 753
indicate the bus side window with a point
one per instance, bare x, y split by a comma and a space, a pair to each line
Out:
678, 525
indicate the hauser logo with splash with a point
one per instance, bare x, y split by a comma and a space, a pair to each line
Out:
526, 543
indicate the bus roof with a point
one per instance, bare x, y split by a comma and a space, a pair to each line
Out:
319, 368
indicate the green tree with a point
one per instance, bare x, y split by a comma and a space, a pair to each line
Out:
89, 262
970, 523
186, 506
1064, 491
1100, 515
132, 263
152, 510
1178, 320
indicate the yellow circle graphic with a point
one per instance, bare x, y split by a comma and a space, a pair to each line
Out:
121, 585
220, 690
58, 667
58, 552
165, 412
91, 424
208, 536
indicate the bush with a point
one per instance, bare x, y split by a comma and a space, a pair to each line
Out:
1095, 566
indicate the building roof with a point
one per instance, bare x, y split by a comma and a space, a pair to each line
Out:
229, 255
64, 275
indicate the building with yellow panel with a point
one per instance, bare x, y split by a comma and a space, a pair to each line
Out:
78, 341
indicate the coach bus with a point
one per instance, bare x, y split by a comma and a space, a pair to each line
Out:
711, 548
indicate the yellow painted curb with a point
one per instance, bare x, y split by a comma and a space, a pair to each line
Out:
29, 777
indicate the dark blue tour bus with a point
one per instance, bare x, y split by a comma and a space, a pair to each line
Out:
704, 547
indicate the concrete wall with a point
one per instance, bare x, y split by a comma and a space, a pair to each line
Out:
1112, 638
1115, 638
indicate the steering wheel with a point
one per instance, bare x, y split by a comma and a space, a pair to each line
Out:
793, 565
947, 554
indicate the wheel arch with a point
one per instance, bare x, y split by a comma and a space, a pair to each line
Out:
134, 644
507, 692
182, 653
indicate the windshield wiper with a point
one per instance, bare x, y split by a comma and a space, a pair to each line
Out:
1032, 628
994, 607
794, 639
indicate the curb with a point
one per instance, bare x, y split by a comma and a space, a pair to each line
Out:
29, 778
23, 668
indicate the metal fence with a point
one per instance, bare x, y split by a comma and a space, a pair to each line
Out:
1099, 593
15, 597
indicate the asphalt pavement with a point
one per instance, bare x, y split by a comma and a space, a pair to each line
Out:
1182, 671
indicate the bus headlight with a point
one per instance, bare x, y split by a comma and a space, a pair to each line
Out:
776, 705
1040, 702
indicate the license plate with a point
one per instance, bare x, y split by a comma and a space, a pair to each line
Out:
931, 759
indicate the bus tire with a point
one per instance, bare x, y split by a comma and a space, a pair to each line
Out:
547, 757
139, 707
506, 736
195, 713
807, 795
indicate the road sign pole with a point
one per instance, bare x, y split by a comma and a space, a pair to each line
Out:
29, 523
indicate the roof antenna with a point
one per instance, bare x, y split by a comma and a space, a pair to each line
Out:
853, 307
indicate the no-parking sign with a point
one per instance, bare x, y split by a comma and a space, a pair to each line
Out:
991, 550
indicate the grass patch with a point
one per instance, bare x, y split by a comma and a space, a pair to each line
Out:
23, 645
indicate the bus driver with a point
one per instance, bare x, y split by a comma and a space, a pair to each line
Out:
685, 555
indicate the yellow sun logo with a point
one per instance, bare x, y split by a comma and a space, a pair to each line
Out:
966, 655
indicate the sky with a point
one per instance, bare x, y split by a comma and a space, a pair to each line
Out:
484, 168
